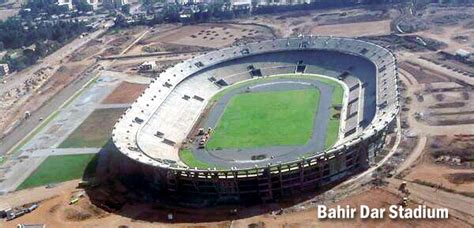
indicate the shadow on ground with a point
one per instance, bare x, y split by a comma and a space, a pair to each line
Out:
128, 197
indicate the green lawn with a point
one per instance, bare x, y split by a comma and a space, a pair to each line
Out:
333, 125
263, 119
59, 169
332, 132
187, 156
95, 131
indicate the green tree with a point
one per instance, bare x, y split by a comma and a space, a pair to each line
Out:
126, 9
40, 48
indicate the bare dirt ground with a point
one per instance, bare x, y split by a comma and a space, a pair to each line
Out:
43, 81
348, 22
423, 74
445, 162
117, 40
27, 87
341, 22
457, 180
125, 93
451, 25
354, 29
374, 198
6, 13
202, 37
46, 87
55, 212
131, 65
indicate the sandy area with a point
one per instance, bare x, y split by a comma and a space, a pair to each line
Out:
55, 212
440, 176
125, 93
175, 38
5, 13
373, 28
446, 35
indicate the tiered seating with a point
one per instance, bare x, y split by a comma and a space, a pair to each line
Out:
153, 128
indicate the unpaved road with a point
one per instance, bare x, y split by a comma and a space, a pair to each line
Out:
459, 206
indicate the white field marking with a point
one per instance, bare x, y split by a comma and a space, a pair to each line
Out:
276, 83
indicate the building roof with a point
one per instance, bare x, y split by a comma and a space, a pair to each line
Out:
463, 53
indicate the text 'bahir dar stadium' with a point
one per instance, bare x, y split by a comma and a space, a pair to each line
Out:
167, 116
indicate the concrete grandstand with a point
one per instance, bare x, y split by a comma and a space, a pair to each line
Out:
152, 131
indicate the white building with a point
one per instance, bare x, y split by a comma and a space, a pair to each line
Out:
4, 70
93, 3
148, 66
283, 2
67, 3
241, 3
463, 53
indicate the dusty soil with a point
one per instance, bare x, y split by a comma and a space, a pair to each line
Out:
378, 198
374, 28
89, 50
450, 107
443, 176
39, 84
183, 38
445, 163
56, 212
131, 65
125, 93
5, 13
347, 22
422, 74
451, 25
49, 87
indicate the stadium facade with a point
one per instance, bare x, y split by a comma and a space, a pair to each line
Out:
153, 129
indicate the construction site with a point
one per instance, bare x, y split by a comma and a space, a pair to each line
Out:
68, 104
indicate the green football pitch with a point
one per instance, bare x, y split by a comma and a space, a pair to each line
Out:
263, 119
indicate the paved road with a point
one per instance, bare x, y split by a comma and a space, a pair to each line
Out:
20, 165
64, 151
44, 111
17, 79
242, 158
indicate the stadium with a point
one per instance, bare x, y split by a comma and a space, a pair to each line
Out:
262, 121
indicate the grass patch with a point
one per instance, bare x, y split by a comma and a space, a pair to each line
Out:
187, 156
332, 131
267, 119
95, 130
60, 168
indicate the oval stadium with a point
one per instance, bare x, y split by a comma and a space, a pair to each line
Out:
262, 121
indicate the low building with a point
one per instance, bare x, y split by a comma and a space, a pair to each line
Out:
148, 66
67, 3
463, 54
241, 4
93, 3
4, 70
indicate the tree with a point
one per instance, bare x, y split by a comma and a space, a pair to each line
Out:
83, 6
120, 21
40, 48
171, 12
126, 9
